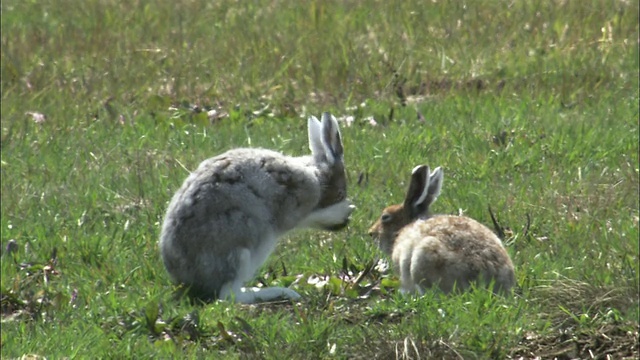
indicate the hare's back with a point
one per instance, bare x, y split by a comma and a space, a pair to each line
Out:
265, 174
458, 249
462, 235
257, 184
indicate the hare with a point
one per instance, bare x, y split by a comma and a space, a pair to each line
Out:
224, 222
443, 251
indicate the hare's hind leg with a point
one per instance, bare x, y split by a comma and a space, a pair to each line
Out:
252, 295
256, 295
247, 265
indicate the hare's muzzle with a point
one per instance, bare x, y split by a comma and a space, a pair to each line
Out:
374, 231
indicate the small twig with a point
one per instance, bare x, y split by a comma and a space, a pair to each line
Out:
364, 273
496, 225
525, 232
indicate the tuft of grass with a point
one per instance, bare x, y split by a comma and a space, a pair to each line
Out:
531, 108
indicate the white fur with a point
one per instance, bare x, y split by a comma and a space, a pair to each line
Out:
249, 263
316, 145
436, 179
329, 216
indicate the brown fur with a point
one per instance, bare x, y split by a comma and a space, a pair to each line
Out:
449, 252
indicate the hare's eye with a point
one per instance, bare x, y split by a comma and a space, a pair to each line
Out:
385, 218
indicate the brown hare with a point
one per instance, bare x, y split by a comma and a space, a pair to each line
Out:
443, 251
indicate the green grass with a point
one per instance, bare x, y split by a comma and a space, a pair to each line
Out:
531, 108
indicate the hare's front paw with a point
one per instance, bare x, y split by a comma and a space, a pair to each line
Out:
340, 212
332, 217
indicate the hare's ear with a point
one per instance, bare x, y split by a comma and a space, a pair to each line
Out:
325, 141
435, 185
331, 137
423, 190
315, 136
417, 192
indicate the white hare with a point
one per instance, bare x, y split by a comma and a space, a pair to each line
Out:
443, 251
223, 223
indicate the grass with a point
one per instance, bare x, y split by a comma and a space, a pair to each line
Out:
530, 107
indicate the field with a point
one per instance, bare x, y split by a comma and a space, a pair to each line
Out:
530, 107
